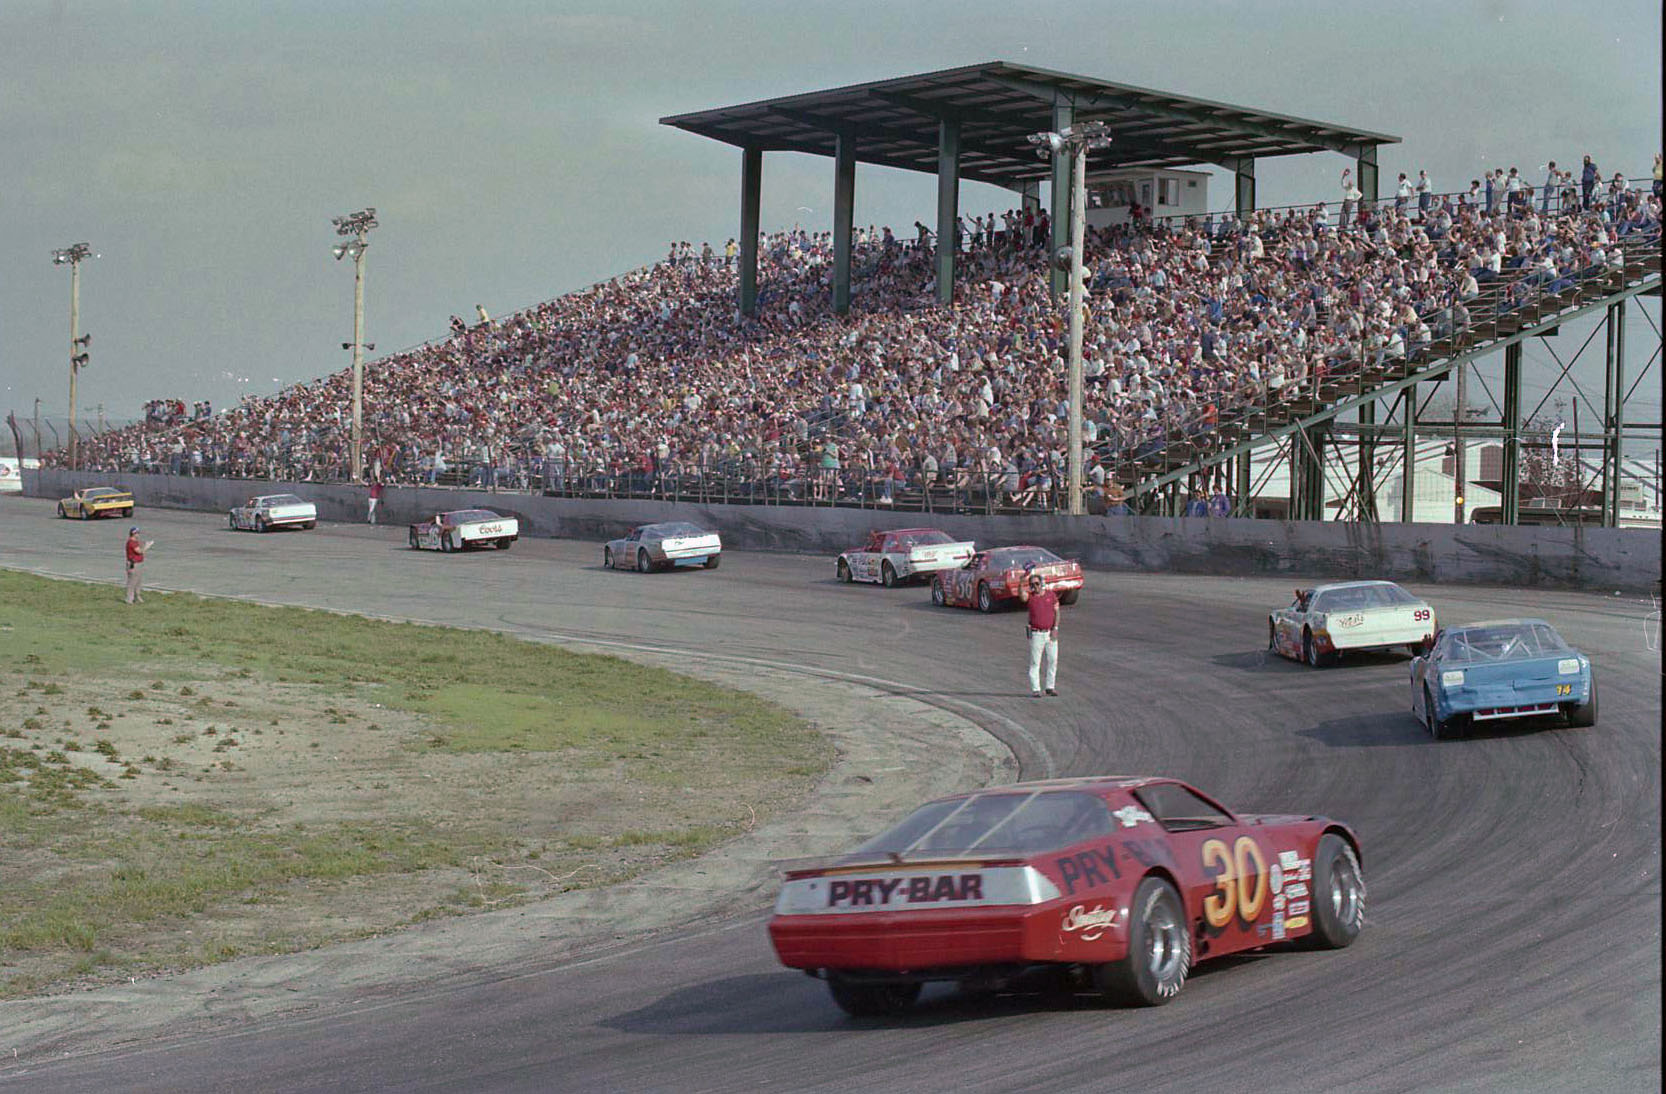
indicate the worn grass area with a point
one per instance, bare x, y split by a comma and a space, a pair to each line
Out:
195, 779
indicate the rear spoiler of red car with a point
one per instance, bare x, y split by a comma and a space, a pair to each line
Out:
860, 864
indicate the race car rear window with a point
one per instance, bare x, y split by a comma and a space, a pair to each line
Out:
1178, 809
992, 823
1011, 560
466, 516
1362, 596
285, 499
1504, 642
919, 539
677, 528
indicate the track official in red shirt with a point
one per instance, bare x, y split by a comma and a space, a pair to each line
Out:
1043, 631
136, 564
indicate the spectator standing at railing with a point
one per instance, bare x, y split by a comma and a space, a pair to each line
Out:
1425, 194
375, 501
1588, 176
1402, 194
1512, 191
1552, 178
1350, 198
1657, 175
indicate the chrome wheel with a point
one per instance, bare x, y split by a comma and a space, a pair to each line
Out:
1166, 943
1347, 892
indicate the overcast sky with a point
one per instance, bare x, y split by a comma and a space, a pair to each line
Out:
512, 149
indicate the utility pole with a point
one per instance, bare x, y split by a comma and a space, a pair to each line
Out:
1458, 443
37, 430
72, 257
1075, 142
354, 227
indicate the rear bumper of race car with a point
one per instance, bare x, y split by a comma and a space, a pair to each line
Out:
917, 943
1495, 702
1371, 638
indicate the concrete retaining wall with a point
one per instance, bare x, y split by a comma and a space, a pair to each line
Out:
1539, 557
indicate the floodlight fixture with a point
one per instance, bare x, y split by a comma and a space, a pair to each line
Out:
68, 256
355, 224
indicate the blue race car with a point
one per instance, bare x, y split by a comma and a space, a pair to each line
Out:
1507, 668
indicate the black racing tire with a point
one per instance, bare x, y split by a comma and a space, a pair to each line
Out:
260, 524
713, 562
62, 512
128, 512
938, 596
1584, 715
1338, 894
1070, 596
1159, 950
231, 521
310, 525
505, 543
607, 558
643, 565
1418, 648
842, 572
872, 1000
1272, 635
1311, 654
446, 546
986, 599
887, 575
1429, 722
412, 539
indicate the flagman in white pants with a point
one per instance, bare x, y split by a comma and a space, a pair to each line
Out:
1043, 632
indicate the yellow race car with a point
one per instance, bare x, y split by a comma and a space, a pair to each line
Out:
97, 501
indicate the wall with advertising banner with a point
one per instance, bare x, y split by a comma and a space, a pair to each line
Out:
1574, 557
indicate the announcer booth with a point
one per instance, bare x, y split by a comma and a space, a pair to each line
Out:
975, 122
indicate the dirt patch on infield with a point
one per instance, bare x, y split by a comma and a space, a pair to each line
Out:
159, 814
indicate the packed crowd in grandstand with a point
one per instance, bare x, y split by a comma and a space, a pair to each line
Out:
654, 373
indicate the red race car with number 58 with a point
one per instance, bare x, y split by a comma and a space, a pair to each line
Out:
991, 579
1124, 883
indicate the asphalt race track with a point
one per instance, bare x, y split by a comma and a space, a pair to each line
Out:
1513, 937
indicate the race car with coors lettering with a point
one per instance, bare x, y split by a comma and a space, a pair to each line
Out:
1123, 882
991, 579
461, 529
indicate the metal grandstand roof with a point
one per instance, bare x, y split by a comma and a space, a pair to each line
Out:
998, 105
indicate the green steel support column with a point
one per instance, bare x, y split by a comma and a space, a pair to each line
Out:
1511, 472
1029, 194
1243, 185
1313, 483
1296, 462
1614, 427
1064, 113
1365, 173
1241, 503
751, 188
948, 206
844, 206
1408, 456
1365, 485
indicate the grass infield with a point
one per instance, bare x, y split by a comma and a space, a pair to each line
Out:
195, 779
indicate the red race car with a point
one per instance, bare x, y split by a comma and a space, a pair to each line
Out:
992, 578
1123, 882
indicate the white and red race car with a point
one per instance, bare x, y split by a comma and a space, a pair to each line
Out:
465, 528
1326, 621
906, 554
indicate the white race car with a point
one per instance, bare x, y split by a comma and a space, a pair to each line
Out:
905, 554
464, 528
1324, 622
267, 511
664, 546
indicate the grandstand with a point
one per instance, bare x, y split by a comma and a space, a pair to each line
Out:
934, 378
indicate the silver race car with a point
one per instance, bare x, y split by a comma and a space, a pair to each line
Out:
265, 512
667, 545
